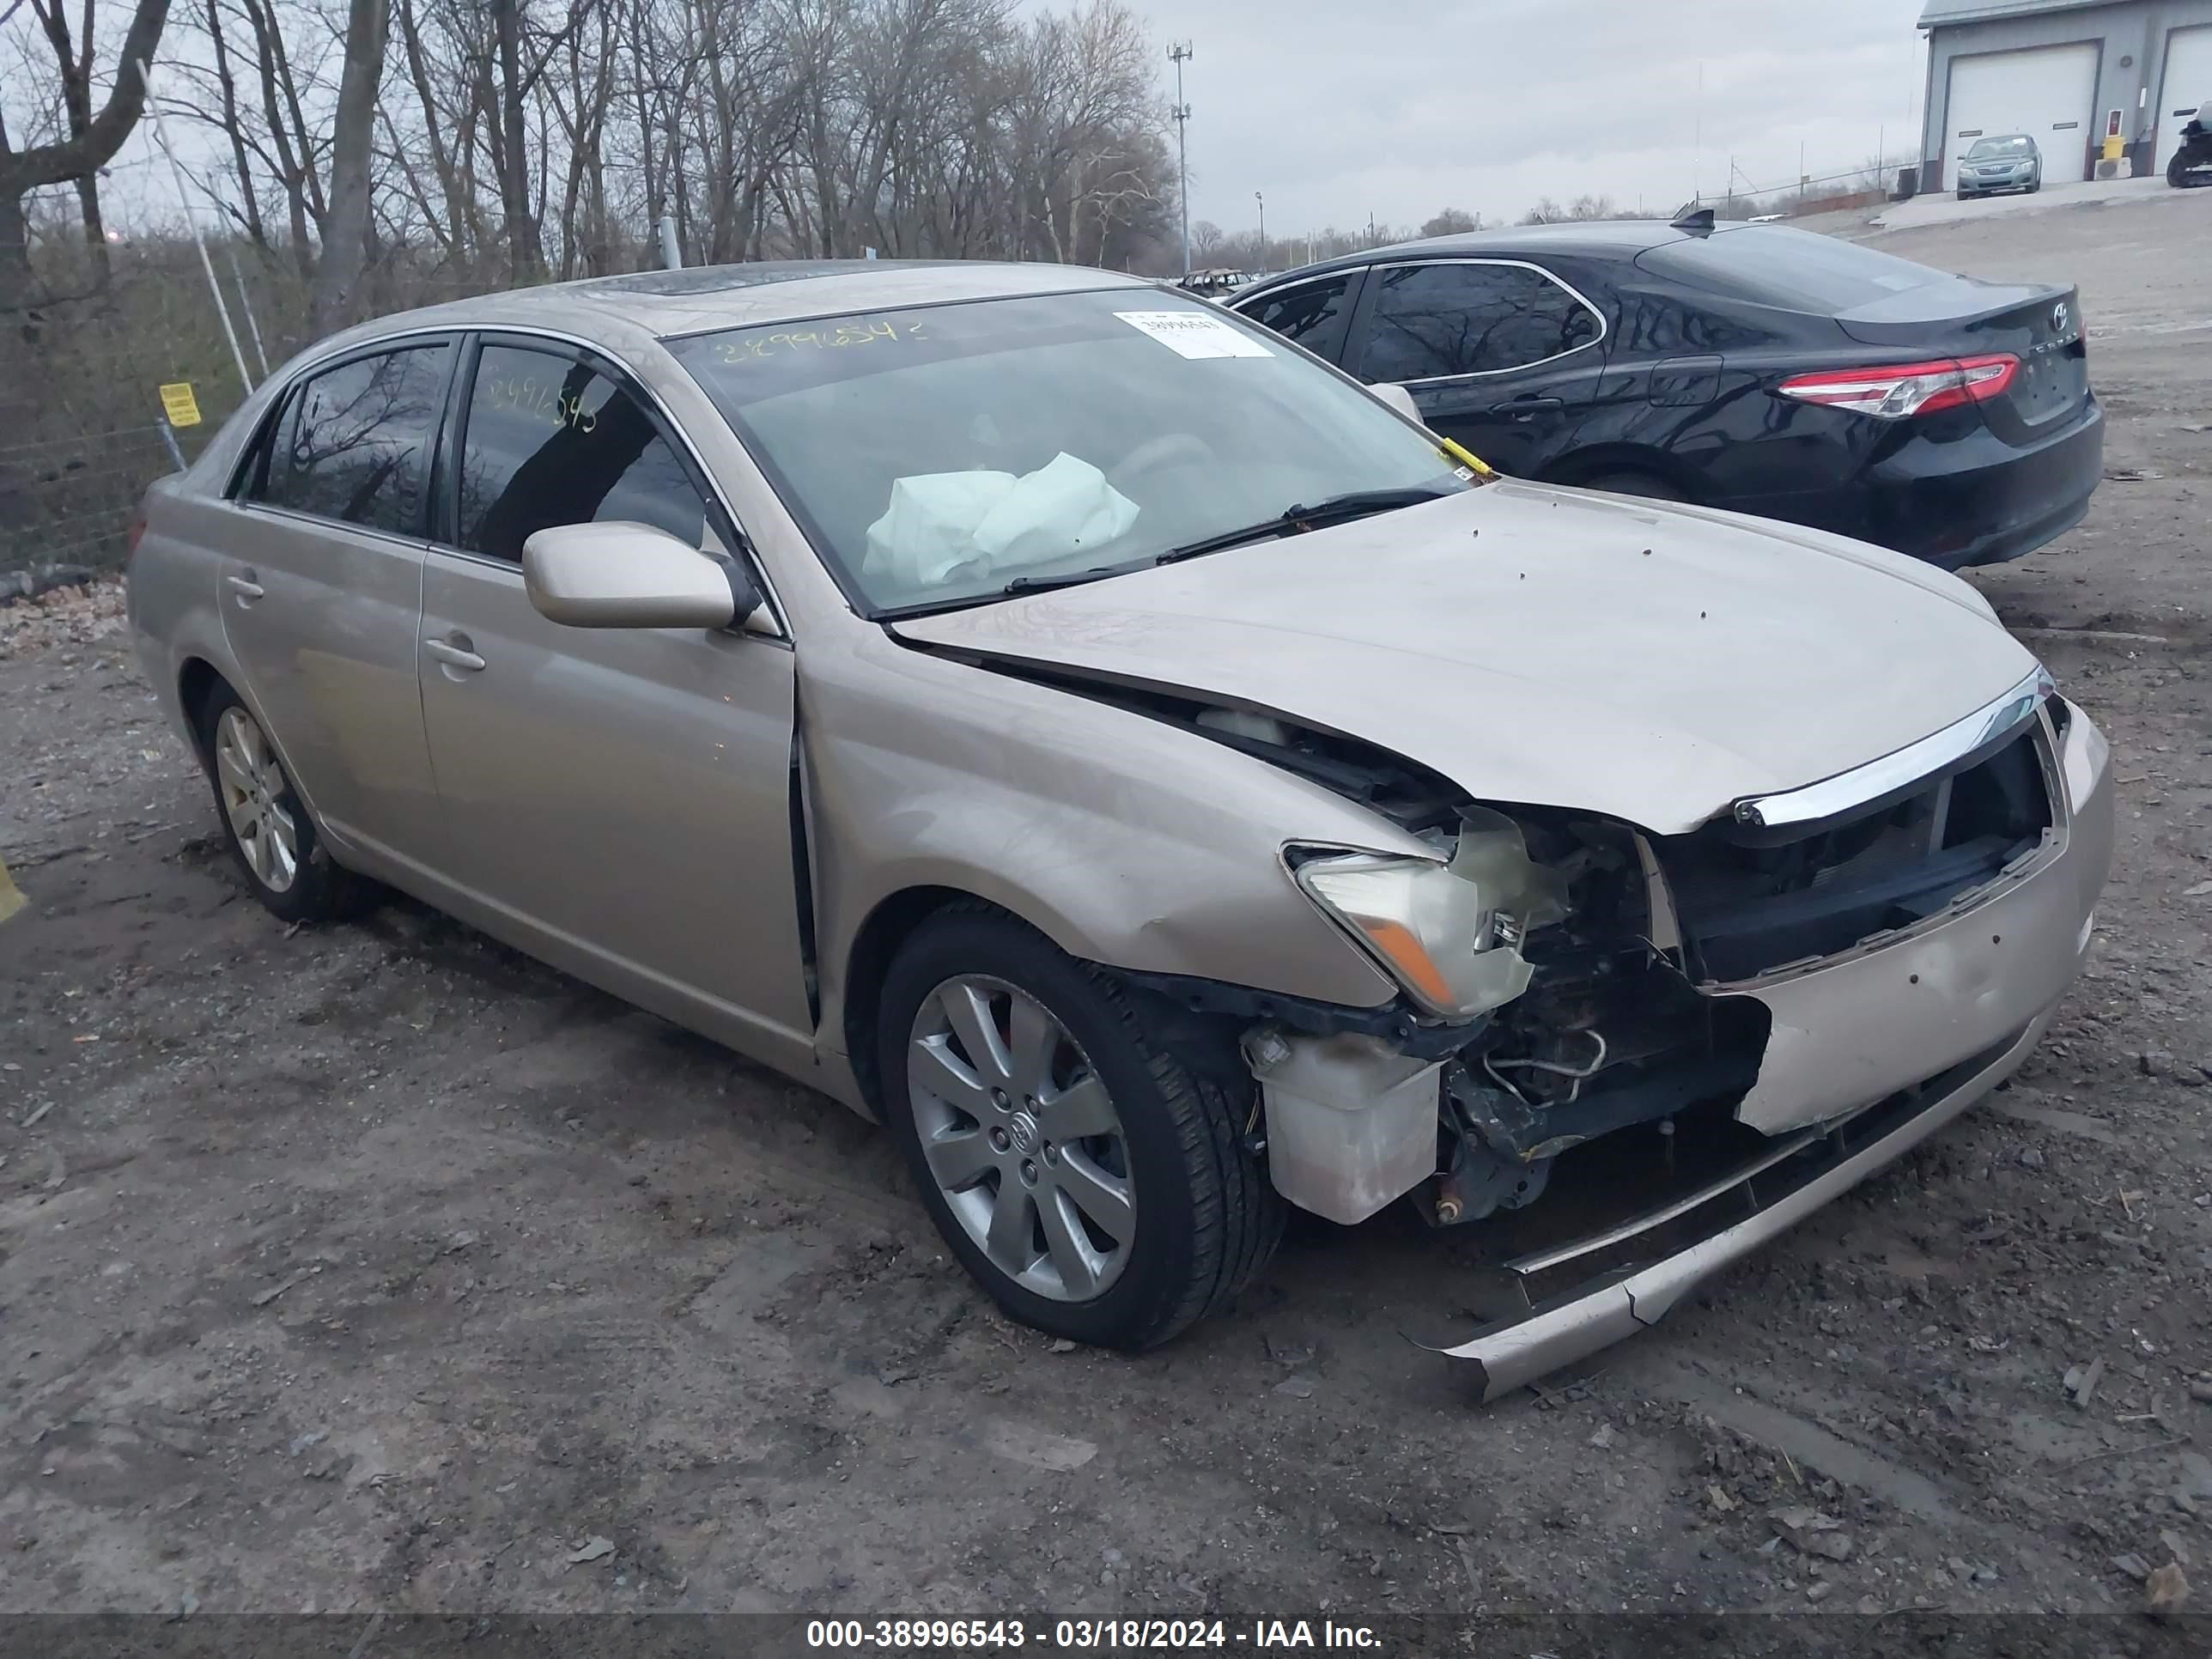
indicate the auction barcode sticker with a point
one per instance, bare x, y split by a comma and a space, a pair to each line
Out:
1194, 334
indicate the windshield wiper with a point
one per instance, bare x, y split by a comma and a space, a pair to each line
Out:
1333, 509
1046, 584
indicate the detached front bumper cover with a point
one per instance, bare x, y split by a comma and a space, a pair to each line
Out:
1791, 1180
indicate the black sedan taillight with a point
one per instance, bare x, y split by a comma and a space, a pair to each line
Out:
1901, 391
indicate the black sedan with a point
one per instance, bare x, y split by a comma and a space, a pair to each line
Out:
1755, 367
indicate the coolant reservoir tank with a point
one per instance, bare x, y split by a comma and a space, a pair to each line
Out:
1351, 1122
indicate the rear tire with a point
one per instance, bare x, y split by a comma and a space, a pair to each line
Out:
270, 834
1099, 1192
1649, 485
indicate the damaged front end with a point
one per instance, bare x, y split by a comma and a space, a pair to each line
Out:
1537, 936
1690, 1040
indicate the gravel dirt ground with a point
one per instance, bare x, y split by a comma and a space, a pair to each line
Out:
376, 1266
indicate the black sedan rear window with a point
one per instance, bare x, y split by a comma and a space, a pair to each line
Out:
1796, 270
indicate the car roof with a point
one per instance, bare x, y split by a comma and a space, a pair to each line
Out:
665, 304
1618, 239
1603, 238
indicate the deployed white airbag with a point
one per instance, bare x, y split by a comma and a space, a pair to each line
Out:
937, 521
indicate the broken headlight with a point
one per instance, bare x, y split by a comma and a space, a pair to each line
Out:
1448, 930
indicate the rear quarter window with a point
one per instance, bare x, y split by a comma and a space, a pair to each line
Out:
1793, 270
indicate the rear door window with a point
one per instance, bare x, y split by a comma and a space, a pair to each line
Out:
1793, 270
551, 440
1467, 317
1312, 314
354, 443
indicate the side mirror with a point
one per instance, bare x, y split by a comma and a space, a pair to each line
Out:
622, 574
1398, 397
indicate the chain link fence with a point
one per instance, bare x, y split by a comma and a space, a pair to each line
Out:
82, 428
66, 503
82, 365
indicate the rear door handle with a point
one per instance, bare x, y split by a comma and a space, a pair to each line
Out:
246, 587
454, 657
1523, 409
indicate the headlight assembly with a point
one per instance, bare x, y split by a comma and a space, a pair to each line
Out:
1448, 931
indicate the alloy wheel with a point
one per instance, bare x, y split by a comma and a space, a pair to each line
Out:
253, 785
1021, 1137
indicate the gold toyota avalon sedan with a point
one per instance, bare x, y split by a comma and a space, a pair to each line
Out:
1147, 771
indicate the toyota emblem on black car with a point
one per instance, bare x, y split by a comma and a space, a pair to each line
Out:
2058, 316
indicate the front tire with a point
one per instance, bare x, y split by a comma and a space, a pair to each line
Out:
1085, 1173
270, 834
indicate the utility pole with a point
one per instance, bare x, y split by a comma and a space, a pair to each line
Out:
1181, 54
1262, 200
184, 201
1697, 143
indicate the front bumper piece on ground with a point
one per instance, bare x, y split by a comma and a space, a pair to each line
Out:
1889, 1025
1785, 1184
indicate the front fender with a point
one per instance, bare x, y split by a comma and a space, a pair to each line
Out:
1126, 840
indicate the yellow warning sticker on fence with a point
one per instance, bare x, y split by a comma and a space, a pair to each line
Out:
179, 404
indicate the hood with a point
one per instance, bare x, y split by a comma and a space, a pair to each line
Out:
1648, 662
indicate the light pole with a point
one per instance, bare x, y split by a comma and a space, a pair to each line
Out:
1262, 200
1181, 54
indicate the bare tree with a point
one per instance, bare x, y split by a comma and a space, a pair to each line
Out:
352, 138
1582, 208
230, 118
87, 141
501, 140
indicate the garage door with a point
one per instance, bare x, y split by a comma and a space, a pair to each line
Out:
2046, 92
2188, 81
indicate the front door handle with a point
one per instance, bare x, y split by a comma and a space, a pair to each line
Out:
454, 657
246, 587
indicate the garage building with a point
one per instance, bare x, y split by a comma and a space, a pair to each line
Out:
2066, 74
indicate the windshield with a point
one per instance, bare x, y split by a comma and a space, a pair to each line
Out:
2000, 149
936, 455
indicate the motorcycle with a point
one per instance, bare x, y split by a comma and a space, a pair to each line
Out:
2191, 165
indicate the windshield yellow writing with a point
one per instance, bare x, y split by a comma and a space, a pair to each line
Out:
822, 336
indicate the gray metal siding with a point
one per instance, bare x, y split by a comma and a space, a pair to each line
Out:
2135, 30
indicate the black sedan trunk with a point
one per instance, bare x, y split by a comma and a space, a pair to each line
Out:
2041, 326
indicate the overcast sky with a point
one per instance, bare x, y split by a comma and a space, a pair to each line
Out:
1487, 104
